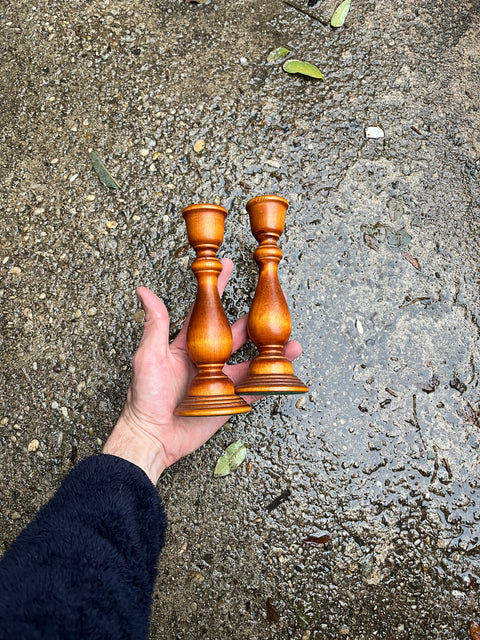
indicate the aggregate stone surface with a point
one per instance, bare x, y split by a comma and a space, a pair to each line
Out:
380, 267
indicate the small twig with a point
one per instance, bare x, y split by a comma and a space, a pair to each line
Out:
435, 465
307, 13
417, 131
447, 467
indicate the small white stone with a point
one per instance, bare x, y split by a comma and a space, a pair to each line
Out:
92, 311
144, 152
90, 197
243, 61
300, 402
64, 411
73, 178
374, 133
33, 445
54, 404
359, 325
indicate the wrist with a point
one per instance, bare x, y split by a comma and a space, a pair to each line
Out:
131, 443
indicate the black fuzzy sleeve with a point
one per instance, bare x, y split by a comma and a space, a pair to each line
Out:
86, 566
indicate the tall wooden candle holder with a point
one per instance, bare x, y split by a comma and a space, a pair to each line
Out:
269, 323
209, 337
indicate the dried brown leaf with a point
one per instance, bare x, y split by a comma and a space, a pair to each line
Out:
272, 612
413, 261
317, 541
474, 631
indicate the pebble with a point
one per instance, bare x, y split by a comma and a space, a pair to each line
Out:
33, 445
73, 178
374, 133
92, 311
54, 404
4, 421
300, 402
81, 385
77, 314
39, 210
13, 438
90, 197
193, 607
42, 296
112, 224
28, 313
152, 167
15, 271
139, 316
199, 146
99, 442
144, 152
16, 515
64, 411
156, 156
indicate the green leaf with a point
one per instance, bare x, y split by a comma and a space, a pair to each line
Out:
105, 177
305, 68
278, 54
232, 458
340, 14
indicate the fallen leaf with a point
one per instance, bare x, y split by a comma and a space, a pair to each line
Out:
397, 238
232, 458
317, 541
272, 612
340, 14
105, 176
278, 54
411, 260
475, 631
304, 68
370, 241
249, 466
304, 614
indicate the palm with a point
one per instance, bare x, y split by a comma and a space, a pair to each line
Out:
162, 373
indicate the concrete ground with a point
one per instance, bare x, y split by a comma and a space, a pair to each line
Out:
381, 461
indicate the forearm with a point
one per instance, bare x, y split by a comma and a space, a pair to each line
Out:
86, 566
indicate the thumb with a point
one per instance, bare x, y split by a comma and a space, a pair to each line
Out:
156, 324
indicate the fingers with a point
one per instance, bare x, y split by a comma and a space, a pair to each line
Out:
157, 322
240, 333
227, 265
292, 350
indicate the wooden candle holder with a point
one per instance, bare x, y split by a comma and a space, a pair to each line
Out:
209, 337
269, 323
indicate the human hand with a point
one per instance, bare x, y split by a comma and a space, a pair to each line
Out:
147, 432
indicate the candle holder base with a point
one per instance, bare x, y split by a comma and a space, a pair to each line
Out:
196, 406
269, 385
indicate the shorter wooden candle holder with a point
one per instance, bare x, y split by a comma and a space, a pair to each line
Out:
209, 337
269, 323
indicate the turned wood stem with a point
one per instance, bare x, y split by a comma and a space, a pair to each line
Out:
209, 336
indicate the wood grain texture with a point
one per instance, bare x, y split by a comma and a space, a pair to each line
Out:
269, 323
209, 337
